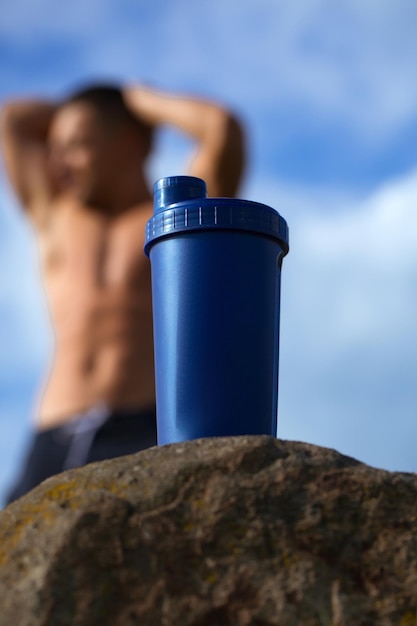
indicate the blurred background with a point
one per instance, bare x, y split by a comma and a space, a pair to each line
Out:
328, 94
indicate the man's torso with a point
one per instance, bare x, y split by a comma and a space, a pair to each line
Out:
97, 281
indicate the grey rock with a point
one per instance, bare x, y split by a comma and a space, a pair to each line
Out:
240, 531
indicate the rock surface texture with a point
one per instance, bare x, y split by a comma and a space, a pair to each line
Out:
241, 531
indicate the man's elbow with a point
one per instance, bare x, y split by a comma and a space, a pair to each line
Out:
235, 133
227, 138
231, 154
226, 125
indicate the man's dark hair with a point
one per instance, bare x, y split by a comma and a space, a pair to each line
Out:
110, 105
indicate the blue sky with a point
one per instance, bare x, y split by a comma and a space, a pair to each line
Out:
328, 95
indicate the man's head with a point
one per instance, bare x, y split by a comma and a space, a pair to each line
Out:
93, 139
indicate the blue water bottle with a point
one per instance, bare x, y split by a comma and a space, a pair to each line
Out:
216, 274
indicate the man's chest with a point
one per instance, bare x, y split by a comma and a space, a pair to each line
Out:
91, 251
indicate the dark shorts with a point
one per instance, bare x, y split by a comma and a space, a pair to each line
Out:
95, 435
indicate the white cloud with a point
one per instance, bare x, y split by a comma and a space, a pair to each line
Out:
349, 333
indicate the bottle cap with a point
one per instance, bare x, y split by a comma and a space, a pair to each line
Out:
174, 189
181, 204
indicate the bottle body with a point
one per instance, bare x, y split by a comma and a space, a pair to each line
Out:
216, 308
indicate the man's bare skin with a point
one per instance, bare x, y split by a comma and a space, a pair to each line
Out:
98, 284
84, 188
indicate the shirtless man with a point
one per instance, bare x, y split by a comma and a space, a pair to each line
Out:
78, 168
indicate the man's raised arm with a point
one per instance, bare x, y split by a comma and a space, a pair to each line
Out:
220, 154
24, 130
